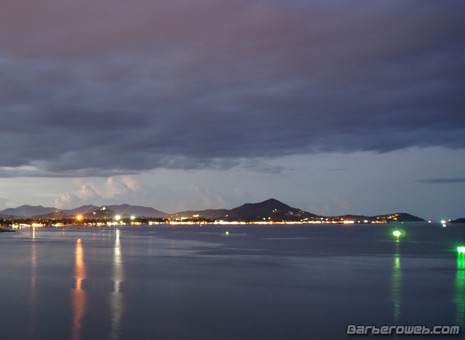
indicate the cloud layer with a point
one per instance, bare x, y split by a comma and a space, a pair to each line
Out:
108, 88
115, 189
453, 180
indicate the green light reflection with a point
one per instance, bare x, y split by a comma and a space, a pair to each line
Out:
396, 285
459, 297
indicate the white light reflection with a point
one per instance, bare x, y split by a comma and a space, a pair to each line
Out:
116, 299
78, 295
33, 291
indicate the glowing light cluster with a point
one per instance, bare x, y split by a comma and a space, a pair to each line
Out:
461, 249
396, 233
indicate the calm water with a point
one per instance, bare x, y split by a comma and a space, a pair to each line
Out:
280, 282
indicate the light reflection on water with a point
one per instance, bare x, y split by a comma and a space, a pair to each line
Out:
78, 294
116, 300
459, 297
33, 290
396, 284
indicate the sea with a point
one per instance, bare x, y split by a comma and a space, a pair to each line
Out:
231, 282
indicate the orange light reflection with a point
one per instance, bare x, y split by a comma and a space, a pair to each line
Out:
78, 295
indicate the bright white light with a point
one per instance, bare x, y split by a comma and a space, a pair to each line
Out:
133, 217
443, 221
117, 217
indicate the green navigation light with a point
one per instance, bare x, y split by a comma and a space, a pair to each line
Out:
396, 233
461, 249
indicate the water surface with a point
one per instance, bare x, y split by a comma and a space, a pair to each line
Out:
258, 282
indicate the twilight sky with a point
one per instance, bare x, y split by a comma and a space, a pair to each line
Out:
332, 107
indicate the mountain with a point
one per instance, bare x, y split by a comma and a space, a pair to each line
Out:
67, 213
28, 211
394, 217
126, 210
271, 209
56, 215
110, 211
212, 214
81, 210
101, 213
404, 217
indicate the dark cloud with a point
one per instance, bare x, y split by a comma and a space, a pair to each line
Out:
10, 173
444, 180
96, 88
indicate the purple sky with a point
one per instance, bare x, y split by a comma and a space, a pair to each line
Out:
352, 106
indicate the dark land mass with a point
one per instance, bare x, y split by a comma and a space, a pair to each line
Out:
135, 210
401, 217
28, 211
55, 215
89, 211
269, 210
274, 210
124, 211
458, 220
213, 214
85, 209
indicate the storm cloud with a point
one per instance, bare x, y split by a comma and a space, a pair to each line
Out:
115, 87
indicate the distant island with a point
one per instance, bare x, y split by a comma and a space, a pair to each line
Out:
266, 212
458, 220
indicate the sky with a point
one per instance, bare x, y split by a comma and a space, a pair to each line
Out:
331, 107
